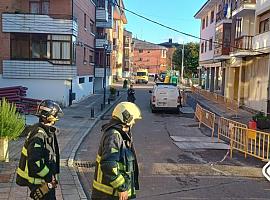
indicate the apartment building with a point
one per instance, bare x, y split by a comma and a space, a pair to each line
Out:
253, 89
216, 22
103, 53
247, 64
128, 54
149, 56
118, 39
48, 46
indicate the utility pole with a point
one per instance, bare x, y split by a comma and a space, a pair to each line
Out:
182, 68
105, 46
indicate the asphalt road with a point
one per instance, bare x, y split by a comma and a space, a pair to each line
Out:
188, 172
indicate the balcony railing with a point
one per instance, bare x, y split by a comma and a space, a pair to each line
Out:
240, 3
33, 23
243, 43
102, 14
37, 70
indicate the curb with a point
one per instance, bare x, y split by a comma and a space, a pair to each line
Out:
70, 162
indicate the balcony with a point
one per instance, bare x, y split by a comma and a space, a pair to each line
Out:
102, 14
105, 24
244, 7
33, 23
99, 72
28, 69
222, 18
242, 46
101, 40
261, 42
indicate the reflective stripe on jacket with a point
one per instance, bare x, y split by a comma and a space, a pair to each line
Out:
39, 157
115, 171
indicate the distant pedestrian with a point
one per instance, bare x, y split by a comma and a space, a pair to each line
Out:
40, 160
117, 171
131, 94
156, 78
125, 84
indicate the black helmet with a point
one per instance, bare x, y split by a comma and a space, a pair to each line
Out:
49, 108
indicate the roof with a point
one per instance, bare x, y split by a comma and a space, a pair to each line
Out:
205, 8
140, 44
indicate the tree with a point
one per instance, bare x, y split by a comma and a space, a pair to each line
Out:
191, 58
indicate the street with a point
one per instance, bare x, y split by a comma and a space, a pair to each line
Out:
179, 167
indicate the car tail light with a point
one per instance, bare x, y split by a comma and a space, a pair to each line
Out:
154, 98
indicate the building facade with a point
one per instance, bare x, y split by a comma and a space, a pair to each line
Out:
216, 22
47, 46
247, 64
171, 48
128, 54
149, 56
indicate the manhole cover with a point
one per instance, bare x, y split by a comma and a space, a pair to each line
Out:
78, 117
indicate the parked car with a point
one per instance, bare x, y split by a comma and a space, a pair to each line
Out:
165, 97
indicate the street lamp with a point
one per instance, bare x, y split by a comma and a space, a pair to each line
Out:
105, 46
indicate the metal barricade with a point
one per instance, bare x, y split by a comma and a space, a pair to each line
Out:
250, 142
208, 119
198, 112
224, 125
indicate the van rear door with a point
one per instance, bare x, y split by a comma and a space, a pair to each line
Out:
162, 97
173, 97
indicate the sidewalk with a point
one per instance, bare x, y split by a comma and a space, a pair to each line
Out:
243, 116
73, 127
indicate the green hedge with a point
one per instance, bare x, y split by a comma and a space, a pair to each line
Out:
11, 122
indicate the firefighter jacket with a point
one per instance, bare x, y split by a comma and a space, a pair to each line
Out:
40, 156
116, 164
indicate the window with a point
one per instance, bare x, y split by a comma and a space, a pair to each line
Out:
84, 54
212, 17
90, 79
206, 21
163, 53
205, 46
39, 46
84, 22
91, 56
92, 26
203, 23
55, 48
202, 47
81, 80
140, 50
264, 25
140, 59
211, 44
39, 6
148, 52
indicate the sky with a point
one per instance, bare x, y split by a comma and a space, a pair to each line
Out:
178, 14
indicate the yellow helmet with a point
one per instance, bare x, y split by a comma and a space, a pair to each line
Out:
127, 113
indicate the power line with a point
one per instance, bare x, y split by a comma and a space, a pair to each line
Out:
181, 32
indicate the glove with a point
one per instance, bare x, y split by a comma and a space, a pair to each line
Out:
40, 192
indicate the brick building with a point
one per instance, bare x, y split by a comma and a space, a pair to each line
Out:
149, 56
171, 49
128, 53
48, 46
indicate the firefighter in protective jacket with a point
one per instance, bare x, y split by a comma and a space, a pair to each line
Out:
116, 173
39, 163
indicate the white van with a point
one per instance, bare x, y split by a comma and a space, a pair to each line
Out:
165, 97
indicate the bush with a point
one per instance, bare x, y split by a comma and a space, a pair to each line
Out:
260, 116
112, 90
11, 122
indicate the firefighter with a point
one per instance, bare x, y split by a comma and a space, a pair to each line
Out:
116, 172
39, 162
